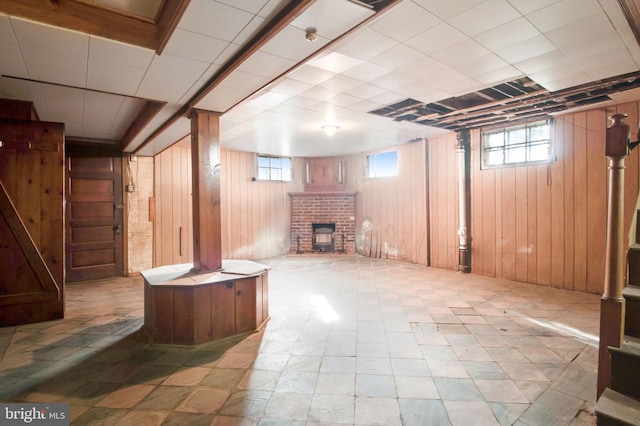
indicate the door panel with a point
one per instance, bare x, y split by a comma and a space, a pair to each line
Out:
94, 214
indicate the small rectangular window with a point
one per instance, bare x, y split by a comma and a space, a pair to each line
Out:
382, 165
524, 144
274, 168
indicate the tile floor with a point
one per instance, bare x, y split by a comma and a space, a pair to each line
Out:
351, 340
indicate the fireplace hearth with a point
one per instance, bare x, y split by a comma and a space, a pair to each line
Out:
323, 222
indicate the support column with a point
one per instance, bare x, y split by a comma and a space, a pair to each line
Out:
205, 161
464, 253
612, 304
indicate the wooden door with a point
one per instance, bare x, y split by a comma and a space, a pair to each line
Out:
94, 246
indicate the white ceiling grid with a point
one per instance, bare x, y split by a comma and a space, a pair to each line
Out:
423, 49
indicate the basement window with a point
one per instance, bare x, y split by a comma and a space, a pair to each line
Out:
525, 144
382, 165
274, 168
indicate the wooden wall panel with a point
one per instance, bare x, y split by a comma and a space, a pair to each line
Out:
381, 202
255, 215
538, 224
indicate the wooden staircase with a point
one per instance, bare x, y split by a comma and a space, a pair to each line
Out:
619, 404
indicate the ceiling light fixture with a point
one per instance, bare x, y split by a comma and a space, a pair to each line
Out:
311, 34
330, 129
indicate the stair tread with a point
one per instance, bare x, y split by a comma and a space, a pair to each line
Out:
631, 292
630, 346
618, 406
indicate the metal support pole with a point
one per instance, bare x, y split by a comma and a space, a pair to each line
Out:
612, 304
464, 255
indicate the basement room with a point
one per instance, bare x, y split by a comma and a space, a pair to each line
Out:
314, 212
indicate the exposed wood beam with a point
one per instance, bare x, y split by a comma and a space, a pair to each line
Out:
631, 11
280, 21
146, 114
99, 21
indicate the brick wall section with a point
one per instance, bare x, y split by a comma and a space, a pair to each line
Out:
308, 208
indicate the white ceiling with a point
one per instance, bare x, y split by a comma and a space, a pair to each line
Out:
275, 103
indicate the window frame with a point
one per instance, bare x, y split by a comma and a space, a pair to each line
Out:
528, 144
270, 168
376, 156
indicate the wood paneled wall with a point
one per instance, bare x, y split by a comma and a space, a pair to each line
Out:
391, 212
255, 214
542, 224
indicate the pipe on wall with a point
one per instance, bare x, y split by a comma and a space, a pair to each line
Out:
463, 152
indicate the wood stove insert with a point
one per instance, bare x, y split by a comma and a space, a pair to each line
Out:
323, 237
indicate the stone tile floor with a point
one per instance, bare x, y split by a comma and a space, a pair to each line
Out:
351, 340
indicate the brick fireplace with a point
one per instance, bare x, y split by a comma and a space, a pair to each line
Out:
310, 209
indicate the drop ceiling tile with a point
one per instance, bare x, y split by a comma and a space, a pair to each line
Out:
209, 73
119, 53
221, 98
128, 110
36, 57
163, 86
413, 89
542, 62
270, 8
267, 100
311, 75
593, 47
252, 6
366, 72
397, 57
365, 91
563, 13
301, 102
178, 66
319, 93
405, 21
557, 74
598, 70
445, 76
563, 83
11, 62
245, 81
250, 30
291, 43
507, 34
481, 65
527, 6
588, 29
114, 78
424, 68
494, 77
460, 52
50, 38
195, 46
291, 86
22, 89
392, 80
461, 87
64, 101
483, 17
335, 62
344, 100
366, 106
340, 83
447, 9
228, 23
387, 98
57, 76
365, 44
526, 49
435, 95
266, 64
438, 38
